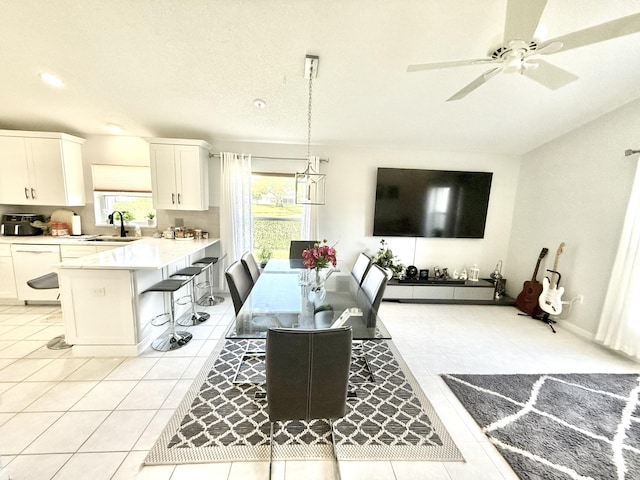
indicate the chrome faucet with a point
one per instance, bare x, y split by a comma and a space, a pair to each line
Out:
123, 232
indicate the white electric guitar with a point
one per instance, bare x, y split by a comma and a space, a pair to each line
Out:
550, 299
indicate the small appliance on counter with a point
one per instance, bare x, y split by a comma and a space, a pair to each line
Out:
20, 224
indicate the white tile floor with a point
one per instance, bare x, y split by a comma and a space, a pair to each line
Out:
96, 418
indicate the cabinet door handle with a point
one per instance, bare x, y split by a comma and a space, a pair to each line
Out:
33, 193
26, 193
178, 199
173, 198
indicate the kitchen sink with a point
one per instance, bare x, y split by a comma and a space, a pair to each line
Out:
113, 239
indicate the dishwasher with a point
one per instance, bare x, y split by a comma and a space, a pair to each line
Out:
31, 261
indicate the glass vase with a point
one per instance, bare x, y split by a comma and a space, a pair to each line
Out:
317, 291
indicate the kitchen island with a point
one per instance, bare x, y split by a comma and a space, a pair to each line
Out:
104, 310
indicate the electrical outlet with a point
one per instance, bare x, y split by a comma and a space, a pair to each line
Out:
99, 292
580, 298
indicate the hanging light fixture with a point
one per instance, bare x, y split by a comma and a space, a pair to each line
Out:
310, 184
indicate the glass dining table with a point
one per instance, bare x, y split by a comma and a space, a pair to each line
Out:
280, 298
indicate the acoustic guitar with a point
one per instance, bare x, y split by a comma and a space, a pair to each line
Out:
527, 300
550, 299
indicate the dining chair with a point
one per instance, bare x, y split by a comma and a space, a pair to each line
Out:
360, 268
240, 284
373, 286
307, 377
250, 264
296, 247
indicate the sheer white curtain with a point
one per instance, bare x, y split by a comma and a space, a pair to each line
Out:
236, 226
310, 212
619, 326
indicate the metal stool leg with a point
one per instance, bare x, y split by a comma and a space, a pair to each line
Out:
194, 317
58, 343
172, 339
209, 299
47, 282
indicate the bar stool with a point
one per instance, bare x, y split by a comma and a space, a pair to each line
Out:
194, 318
172, 339
210, 299
50, 281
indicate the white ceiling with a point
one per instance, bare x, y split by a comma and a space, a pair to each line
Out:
192, 68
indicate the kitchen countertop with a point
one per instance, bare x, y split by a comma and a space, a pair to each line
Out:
144, 254
66, 240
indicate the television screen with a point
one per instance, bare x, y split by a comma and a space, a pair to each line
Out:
431, 203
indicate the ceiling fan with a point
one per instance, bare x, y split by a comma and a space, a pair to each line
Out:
519, 51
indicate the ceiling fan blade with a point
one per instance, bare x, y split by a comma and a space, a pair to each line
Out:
456, 63
522, 20
599, 33
489, 74
548, 75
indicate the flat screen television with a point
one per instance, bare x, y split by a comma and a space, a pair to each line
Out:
431, 203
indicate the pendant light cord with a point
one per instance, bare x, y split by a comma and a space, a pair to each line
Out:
309, 114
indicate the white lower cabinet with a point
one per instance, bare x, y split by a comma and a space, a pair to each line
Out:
101, 305
105, 312
31, 261
22, 262
7, 279
482, 291
68, 252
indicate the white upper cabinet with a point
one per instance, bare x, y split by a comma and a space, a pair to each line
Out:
179, 173
41, 168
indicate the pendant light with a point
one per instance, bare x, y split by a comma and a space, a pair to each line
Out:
310, 184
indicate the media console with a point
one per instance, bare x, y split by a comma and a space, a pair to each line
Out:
434, 290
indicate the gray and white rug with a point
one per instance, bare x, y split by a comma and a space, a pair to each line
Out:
561, 426
389, 419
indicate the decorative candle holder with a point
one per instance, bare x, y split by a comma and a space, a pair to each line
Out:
474, 273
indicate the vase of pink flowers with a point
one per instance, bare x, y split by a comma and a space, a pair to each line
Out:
321, 259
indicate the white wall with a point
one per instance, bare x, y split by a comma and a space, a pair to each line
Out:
575, 190
348, 215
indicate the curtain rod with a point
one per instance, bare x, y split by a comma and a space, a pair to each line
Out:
211, 155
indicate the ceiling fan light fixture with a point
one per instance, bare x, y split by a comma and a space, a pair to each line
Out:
513, 64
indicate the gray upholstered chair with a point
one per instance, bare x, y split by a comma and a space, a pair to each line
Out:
373, 286
360, 268
296, 247
251, 266
240, 284
307, 373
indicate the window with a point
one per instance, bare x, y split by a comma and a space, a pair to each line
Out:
135, 207
276, 218
122, 188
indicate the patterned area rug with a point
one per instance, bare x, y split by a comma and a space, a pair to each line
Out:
389, 418
569, 426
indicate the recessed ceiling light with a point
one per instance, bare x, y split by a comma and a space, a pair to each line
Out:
259, 103
51, 79
114, 127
